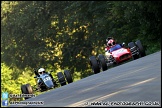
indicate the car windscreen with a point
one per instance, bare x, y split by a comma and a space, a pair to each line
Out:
117, 46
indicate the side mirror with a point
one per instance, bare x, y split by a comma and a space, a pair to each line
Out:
123, 44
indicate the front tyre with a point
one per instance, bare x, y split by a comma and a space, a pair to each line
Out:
140, 46
133, 49
26, 89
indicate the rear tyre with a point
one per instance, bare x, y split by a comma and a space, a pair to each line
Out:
94, 65
29, 89
140, 46
61, 78
24, 90
68, 76
102, 62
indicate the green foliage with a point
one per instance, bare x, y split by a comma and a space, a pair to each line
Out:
10, 84
60, 35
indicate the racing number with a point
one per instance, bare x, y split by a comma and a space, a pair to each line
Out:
46, 79
121, 50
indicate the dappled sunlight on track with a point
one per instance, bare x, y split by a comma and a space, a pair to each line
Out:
115, 78
100, 98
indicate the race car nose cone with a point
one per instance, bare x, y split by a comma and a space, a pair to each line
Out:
51, 87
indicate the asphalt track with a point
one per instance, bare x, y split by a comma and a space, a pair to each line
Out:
135, 83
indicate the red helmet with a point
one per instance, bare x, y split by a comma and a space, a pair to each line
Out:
111, 42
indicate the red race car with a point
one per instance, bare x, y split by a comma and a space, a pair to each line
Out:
117, 54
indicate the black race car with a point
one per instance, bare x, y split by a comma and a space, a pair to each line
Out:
46, 82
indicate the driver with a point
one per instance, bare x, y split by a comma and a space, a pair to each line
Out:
110, 43
41, 71
109, 39
113, 46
